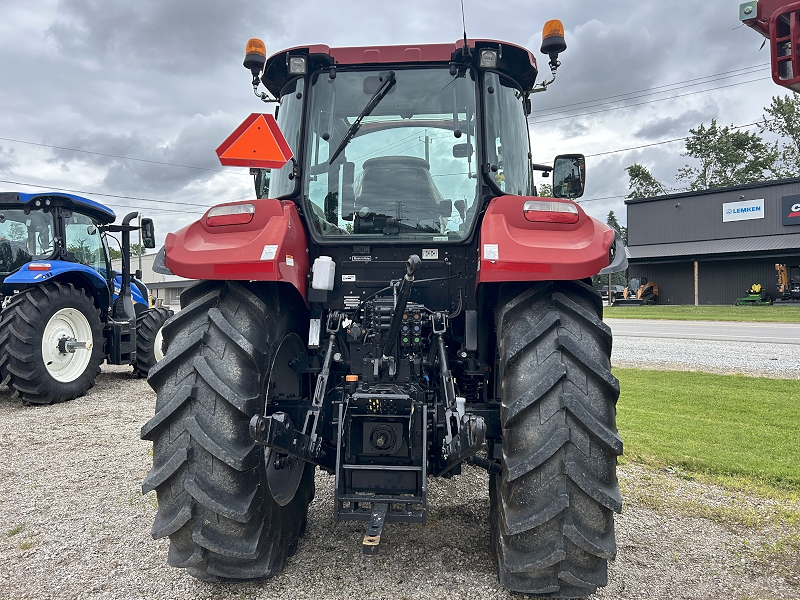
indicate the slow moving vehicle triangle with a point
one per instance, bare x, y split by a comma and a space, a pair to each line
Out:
257, 142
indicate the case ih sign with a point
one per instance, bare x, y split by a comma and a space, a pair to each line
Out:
790, 210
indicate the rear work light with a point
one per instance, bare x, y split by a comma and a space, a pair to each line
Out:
488, 59
39, 267
297, 65
550, 211
236, 214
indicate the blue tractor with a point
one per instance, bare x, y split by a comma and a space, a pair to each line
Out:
64, 310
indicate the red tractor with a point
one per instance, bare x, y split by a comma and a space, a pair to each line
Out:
400, 302
779, 22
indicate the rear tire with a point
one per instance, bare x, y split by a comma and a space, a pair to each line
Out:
31, 326
149, 339
552, 507
209, 476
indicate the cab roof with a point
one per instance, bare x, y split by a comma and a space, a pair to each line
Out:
515, 61
69, 201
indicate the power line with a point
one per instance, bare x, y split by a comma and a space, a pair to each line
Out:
666, 141
661, 143
652, 90
144, 160
648, 146
648, 102
596, 199
71, 191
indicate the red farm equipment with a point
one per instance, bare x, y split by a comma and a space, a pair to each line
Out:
779, 22
400, 302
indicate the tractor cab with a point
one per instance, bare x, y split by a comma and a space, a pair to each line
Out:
406, 151
56, 232
39, 227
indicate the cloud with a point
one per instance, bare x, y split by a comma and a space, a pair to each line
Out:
175, 36
7, 159
162, 167
163, 80
671, 127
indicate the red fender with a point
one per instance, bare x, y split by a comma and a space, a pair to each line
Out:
271, 247
512, 248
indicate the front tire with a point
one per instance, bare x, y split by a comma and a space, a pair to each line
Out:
210, 478
552, 507
150, 339
34, 327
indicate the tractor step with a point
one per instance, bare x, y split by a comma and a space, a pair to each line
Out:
372, 538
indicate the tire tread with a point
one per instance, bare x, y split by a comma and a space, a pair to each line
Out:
553, 505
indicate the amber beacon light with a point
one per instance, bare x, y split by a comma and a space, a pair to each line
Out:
553, 38
255, 56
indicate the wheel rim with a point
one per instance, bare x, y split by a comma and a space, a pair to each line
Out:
66, 366
283, 483
158, 345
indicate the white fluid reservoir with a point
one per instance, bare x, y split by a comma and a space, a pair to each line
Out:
324, 270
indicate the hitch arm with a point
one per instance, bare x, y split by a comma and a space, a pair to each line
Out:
277, 432
465, 434
312, 416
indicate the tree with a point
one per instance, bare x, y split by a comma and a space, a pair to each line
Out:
611, 221
620, 278
785, 122
727, 157
17, 232
136, 250
642, 183
546, 190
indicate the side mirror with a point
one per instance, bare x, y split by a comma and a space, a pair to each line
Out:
261, 181
461, 207
138, 274
148, 233
462, 150
445, 207
569, 176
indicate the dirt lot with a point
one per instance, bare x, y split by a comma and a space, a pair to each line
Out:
73, 524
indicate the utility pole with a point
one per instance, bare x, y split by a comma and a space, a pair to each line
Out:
427, 148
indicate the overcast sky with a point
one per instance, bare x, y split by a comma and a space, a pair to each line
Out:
135, 84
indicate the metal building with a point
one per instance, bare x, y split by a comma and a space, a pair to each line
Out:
709, 247
167, 288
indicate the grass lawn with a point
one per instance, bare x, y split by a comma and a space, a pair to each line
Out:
777, 313
718, 425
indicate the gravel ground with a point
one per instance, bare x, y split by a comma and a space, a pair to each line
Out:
73, 523
748, 358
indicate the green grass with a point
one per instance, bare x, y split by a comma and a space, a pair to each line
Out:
744, 430
761, 314
15, 530
27, 544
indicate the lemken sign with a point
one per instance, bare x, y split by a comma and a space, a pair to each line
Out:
743, 211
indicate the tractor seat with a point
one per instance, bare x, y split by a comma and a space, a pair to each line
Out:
399, 187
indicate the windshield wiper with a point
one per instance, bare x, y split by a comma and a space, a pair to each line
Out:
380, 94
